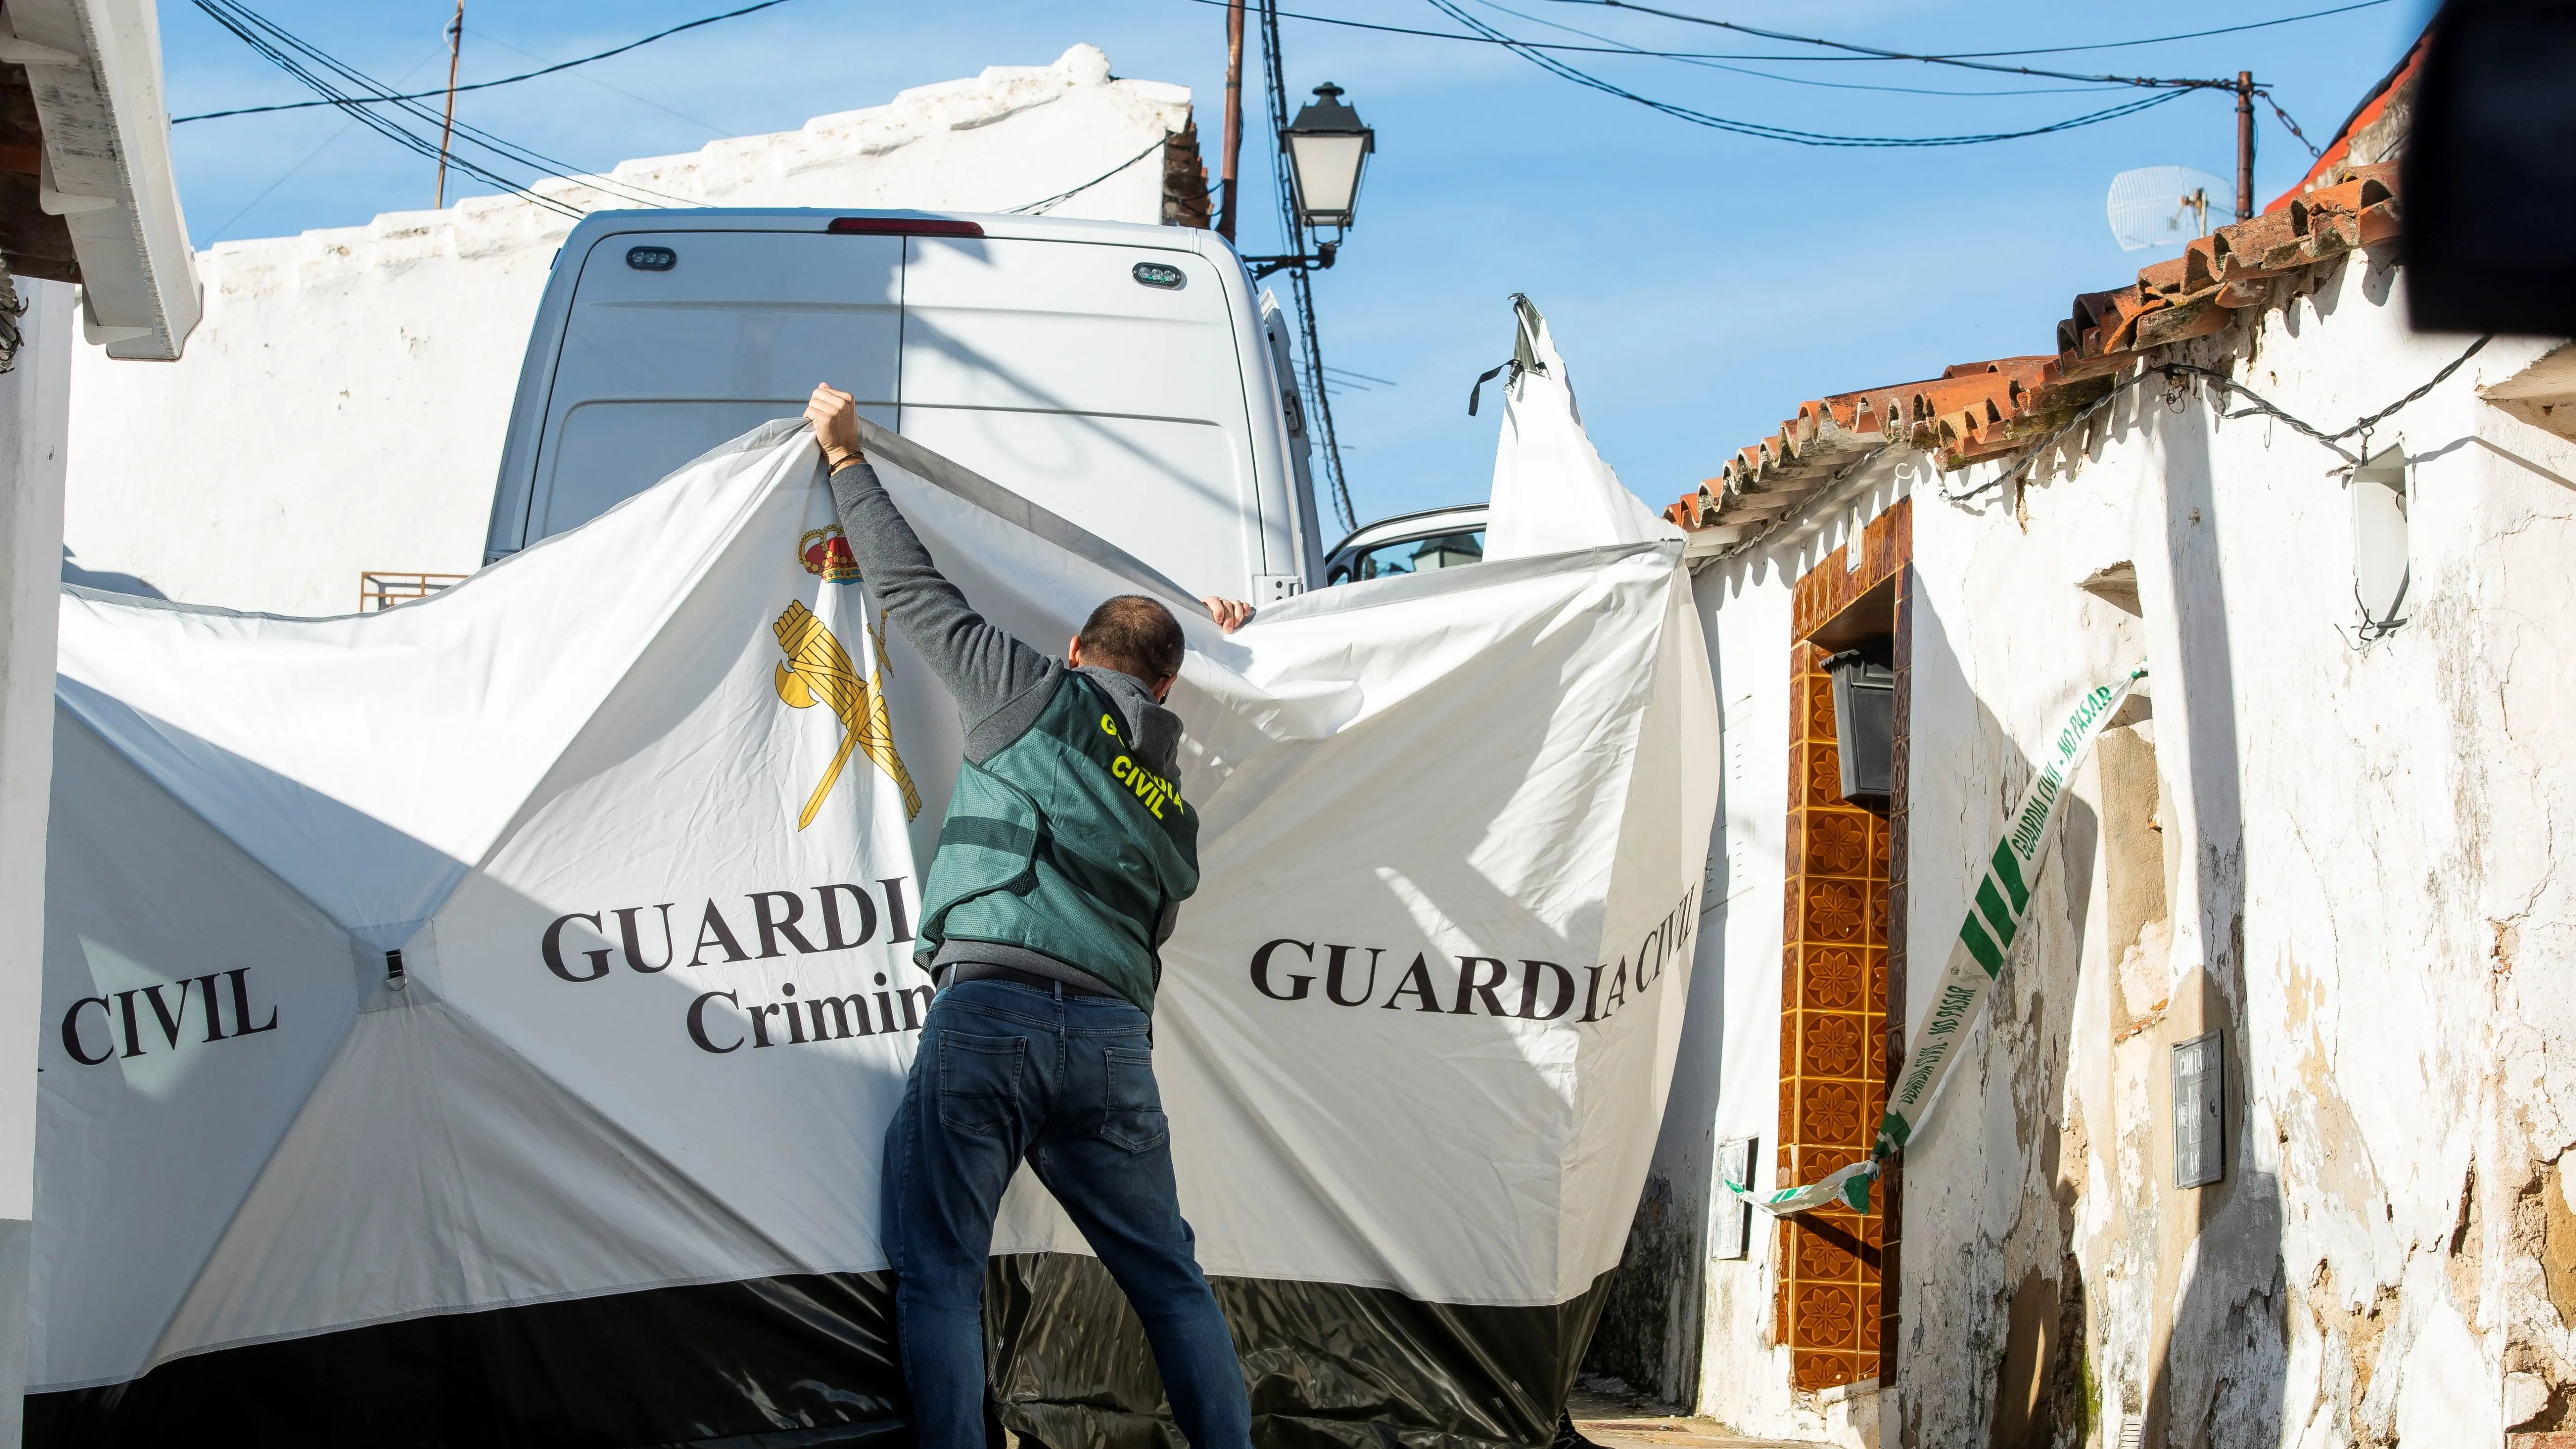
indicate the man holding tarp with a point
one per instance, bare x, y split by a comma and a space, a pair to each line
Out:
1061, 868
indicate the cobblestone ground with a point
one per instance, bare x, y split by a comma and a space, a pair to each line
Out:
1619, 1421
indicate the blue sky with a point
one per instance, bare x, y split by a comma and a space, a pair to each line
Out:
1701, 284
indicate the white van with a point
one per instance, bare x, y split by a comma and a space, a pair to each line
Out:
1122, 376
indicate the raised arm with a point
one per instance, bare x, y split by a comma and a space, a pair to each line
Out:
983, 667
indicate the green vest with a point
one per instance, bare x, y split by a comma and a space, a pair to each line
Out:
1063, 842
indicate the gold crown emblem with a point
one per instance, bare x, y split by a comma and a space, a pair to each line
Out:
825, 553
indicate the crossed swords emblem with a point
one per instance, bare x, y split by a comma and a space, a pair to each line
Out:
818, 670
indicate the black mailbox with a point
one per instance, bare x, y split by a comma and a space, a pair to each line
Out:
1864, 726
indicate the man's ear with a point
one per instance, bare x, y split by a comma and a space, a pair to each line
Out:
1073, 652
1163, 687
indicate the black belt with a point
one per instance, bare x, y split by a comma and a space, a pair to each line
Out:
987, 971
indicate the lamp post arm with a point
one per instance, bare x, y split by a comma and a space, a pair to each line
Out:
1322, 260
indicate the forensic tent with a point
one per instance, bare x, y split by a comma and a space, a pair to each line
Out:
477, 1021
1550, 483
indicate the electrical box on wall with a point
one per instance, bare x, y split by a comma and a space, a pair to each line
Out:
1864, 726
2199, 1110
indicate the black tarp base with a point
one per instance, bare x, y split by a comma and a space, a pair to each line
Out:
801, 1361
809, 1361
1330, 1367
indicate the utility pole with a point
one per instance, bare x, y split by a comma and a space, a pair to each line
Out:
447, 127
2244, 143
1233, 152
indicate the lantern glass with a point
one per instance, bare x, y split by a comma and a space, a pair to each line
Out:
1328, 147
1328, 168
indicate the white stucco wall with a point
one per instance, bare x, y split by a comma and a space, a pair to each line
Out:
2362, 885
32, 413
341, 407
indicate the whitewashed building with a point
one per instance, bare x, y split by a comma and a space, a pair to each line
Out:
91, 239
2305, 893
343, 405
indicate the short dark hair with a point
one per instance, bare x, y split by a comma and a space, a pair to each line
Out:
1133, 635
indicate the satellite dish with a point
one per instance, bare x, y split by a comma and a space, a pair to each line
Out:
2162, 206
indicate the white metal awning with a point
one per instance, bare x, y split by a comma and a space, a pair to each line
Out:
94, 67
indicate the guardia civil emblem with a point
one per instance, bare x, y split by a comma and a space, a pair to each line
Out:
818, 670
825, 553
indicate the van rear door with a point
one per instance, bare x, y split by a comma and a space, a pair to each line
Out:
1102, 382
677, 341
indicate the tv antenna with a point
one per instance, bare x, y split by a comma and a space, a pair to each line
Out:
2162, 206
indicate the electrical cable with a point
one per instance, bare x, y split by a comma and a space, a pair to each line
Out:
1784, 79
1964, 61
2295, 133
283, 48
1300, 283
1966, 55
347, 124
1038, 208
1547, 45
1768, 132
712, 129
287, 62
2261, 406
487, 85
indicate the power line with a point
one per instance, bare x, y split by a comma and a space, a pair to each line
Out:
1038, 208
1875, 53
292, 53
1765, 131
244, 29
346, 124
1620, 48
2295, 133
1864, 57
487, 85
1300, 281
709, 127
1992, 54
1548, 45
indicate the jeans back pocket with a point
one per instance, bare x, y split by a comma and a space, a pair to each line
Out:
979, 1081
1131, 1116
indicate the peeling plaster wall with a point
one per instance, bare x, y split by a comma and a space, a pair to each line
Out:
342, 405
2345, 859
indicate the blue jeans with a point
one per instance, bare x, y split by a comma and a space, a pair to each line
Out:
1066, 1081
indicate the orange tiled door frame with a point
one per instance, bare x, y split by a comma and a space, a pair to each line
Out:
1841, 976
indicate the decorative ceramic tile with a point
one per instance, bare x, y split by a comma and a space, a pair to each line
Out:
1832, 1044
1825, 1370
1825, 1315
1841, 909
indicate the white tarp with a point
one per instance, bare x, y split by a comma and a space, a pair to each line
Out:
1550, 483
1414, 1032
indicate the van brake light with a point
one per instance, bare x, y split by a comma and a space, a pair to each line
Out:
901, 226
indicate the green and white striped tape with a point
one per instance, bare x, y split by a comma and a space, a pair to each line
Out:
1985, 941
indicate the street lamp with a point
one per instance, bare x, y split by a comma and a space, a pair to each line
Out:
1328, 147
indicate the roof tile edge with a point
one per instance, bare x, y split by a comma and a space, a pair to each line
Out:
1983, 410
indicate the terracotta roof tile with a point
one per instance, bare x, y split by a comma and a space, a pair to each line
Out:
1977, 410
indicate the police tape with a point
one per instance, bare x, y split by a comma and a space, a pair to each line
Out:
1985, 938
